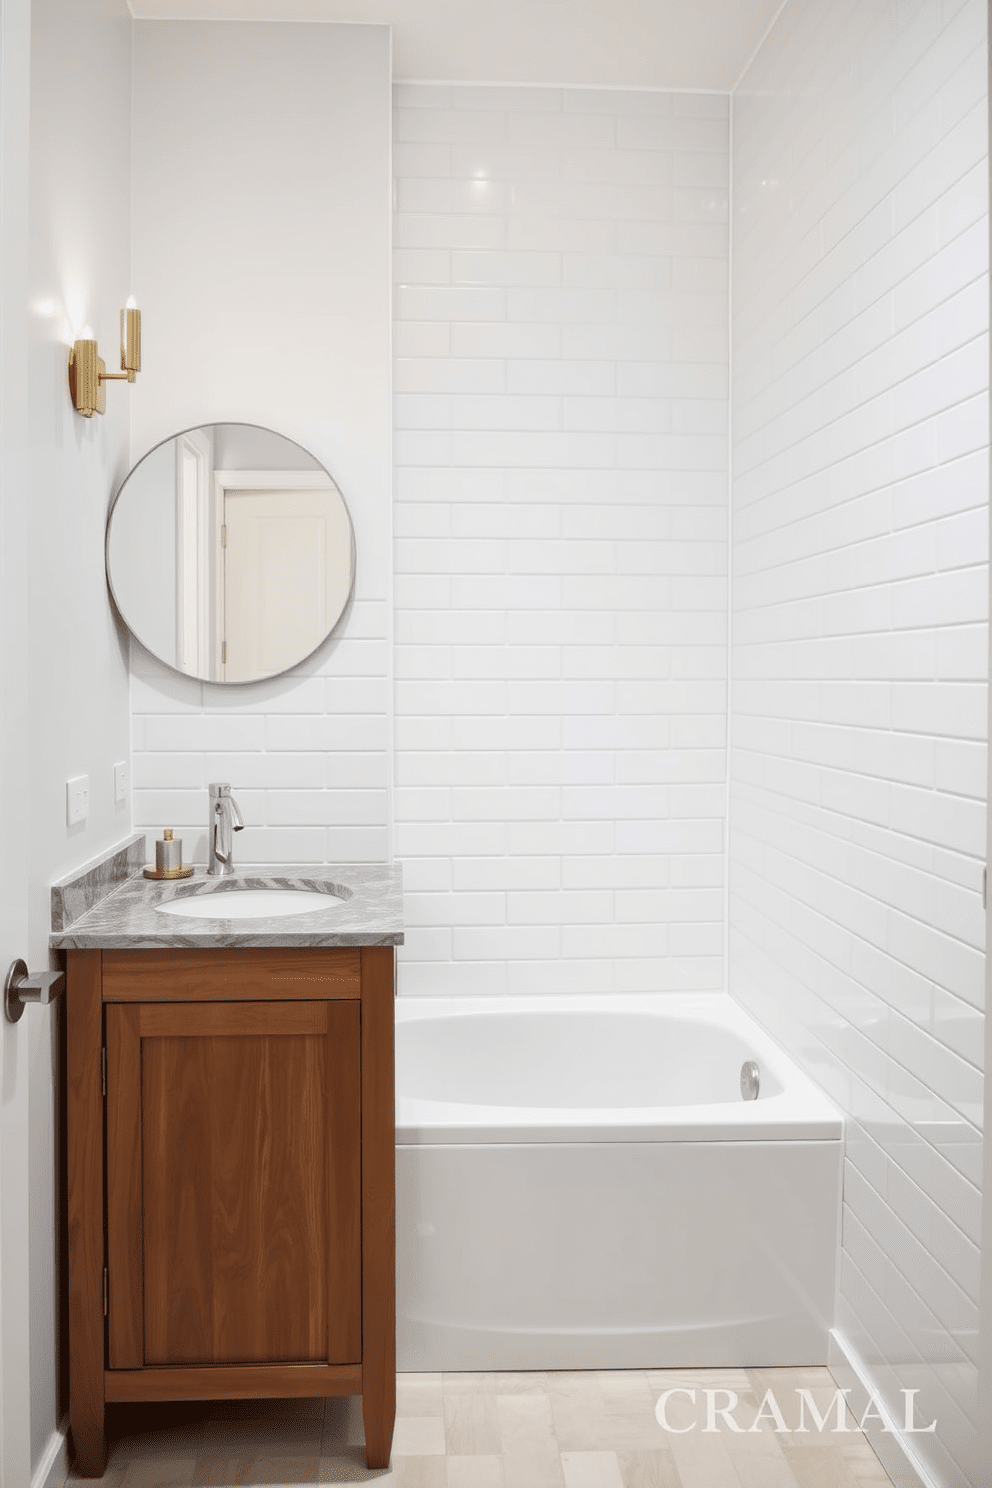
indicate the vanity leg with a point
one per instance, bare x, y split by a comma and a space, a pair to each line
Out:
84, 1200
378, 1206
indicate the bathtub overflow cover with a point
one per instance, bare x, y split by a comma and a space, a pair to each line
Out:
750, 1080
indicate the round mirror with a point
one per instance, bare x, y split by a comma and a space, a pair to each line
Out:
230, 553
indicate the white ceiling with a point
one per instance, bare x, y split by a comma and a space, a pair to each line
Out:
688, 44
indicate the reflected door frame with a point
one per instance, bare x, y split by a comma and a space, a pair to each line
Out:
194, 622
247, 480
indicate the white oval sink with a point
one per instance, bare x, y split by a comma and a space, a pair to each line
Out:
248, 904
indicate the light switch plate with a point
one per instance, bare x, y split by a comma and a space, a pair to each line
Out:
121, 783
77, 799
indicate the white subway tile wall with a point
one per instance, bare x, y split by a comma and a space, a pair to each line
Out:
859, 578
560, 564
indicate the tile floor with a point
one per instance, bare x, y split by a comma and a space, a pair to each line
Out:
588, 1430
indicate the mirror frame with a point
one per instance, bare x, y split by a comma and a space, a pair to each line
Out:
194, 676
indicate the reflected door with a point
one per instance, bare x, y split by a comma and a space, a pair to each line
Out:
287, 571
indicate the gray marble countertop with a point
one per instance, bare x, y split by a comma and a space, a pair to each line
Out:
126, 918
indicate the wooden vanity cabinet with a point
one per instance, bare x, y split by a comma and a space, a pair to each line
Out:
230, 1130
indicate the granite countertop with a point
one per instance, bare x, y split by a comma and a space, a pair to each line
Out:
126, 918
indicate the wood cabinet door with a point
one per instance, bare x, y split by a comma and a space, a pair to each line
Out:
234, 1183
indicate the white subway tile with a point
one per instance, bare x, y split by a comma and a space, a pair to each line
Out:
331, 808
530, 942
449, 123
444, 909
513, 873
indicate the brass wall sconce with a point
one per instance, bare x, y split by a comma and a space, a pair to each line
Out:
88, 372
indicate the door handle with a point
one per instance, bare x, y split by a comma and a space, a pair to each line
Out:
23, 986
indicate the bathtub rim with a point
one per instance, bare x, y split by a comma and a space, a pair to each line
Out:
802, 1112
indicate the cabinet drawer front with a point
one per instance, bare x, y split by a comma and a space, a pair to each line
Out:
231, 976
234, 1173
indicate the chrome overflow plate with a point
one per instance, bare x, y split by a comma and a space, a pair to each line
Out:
750, 1080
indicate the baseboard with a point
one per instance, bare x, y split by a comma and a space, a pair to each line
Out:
53, 1464
890, 1446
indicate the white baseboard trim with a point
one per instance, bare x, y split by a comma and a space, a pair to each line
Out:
890, 1446
53, 1464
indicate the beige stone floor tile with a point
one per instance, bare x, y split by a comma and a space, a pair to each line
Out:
471, 1423
266, 1440
291, 1409
685, 1411
149, 1438
274, 1471
764, 1472
758, 1434
587, 1419
463, 1381
533, 1467
348, 1466
819, 1466
525, 1424
419, 1395
485, 1471
150, 1448
627, 1389
643, 1469
160, 1472
811, 1376
419, 1436
579, 1431
821, 1389
113, 1477
221, 1472
522, 1382
703, 1461
429, 1471
701, 1379
573, 1382
863, 1463
343, 1425
237, 1433
591, 1470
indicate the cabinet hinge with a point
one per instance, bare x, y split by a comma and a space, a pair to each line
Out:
223, 650
106, 1293
103, 1071
223, 536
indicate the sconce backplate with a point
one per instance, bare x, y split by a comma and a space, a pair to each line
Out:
86, 387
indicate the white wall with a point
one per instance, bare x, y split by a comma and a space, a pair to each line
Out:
261, 235
77, 711
15, 1047
860, 580
561, 493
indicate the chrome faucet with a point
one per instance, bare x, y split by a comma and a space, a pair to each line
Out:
225, 819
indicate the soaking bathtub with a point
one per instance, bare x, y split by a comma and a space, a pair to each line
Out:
580, 1185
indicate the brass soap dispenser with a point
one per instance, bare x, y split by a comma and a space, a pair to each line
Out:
169, 858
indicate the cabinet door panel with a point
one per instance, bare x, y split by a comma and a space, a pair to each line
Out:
250, 1182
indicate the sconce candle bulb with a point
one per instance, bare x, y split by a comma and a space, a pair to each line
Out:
88, 371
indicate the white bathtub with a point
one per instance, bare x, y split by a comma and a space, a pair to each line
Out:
580, 1185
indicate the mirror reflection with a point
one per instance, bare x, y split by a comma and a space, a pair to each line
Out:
230, 553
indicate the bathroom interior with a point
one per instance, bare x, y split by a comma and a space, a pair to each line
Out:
648, 348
